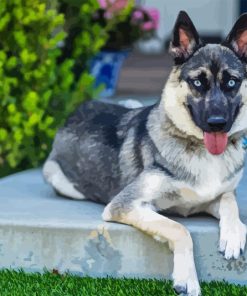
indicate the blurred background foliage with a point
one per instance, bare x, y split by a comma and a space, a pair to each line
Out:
45, 47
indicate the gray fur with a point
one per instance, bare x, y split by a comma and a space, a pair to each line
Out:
101, 171
103, 148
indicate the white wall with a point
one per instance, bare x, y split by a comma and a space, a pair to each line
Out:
209, 16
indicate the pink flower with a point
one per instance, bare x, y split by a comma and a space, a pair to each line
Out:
102, 3
113, 6
117, 5
154, 15
137, 15
148, 26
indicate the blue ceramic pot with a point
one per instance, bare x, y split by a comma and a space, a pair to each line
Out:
106, 67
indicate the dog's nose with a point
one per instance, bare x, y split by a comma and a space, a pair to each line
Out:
217, 123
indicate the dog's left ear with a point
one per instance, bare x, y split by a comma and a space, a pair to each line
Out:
237, 38
185, 39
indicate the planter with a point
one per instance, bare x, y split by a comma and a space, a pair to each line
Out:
150, 46
106, 67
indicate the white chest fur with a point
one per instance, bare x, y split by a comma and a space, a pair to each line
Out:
214, 178
215, 175
211, 185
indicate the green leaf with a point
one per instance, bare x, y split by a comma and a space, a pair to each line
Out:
3, 134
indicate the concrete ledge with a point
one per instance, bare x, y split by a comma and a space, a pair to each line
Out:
39, 229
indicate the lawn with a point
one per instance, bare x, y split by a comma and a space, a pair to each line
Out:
14, 283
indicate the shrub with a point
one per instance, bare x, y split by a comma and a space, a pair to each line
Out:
40, 83
129, 22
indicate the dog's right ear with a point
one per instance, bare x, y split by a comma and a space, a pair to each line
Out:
237, 38
185, 38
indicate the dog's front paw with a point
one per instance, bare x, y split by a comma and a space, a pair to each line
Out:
189, 288
186, 285
232, 239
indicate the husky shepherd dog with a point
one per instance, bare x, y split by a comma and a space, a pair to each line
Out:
182, 155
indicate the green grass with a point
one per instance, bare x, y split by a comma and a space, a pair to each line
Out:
14, 283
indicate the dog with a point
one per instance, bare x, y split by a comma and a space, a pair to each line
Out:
182, 155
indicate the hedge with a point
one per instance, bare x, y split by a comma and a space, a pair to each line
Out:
44, 50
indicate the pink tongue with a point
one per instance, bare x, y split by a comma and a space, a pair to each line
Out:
215, 142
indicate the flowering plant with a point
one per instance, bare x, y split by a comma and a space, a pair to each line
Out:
126, 22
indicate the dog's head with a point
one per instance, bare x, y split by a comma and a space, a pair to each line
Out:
206, 93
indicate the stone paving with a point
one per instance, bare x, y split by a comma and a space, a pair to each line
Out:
39, 229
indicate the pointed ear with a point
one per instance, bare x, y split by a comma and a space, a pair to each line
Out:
237, 38
185, 39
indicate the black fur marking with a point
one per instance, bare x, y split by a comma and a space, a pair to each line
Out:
158, 165
142, 138
224, 84
238, 107
140, 121
175, 172
94, 170
108, 123
178, 61
141, 130
234, 173
214, 68
204, 87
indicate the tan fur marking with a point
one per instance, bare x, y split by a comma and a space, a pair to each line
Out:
242, 41
154, 224
243, 90
174, 98
188, 193
184, 39
198, 71
179, 240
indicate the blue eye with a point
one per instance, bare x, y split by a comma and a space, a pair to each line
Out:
231, 83
197, 83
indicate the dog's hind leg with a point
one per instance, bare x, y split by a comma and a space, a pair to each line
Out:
54, 175
127, 209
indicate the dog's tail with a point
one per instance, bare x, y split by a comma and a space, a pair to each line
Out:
54, 175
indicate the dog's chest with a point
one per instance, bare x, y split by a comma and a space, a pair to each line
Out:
213, 178
211, 183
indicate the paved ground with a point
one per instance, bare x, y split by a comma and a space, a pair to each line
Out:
40, 229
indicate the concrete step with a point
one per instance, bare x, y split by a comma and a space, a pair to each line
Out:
39, 229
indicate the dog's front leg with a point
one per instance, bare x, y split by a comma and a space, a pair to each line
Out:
127, 207
232, 230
